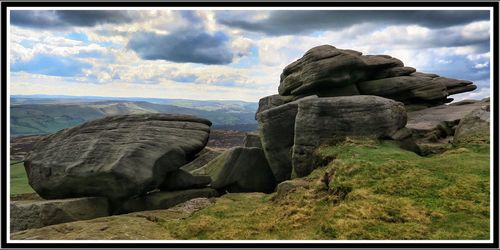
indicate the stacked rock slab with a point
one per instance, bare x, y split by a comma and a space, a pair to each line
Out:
354, 94
329, 120
327, 71
115, 157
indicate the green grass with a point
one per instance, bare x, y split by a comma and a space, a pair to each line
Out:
395, 194
19, 180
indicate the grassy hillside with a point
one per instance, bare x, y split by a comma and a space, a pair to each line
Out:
43, 118
378, 192
19, 180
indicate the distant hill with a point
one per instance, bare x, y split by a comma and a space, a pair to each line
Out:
42, 115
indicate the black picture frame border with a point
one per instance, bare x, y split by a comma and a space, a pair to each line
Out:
229, 244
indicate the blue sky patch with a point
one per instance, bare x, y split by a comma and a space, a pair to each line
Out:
51, 65
82, 37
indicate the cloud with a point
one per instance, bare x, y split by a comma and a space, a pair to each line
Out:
50, 19
51, 65
182, 46
283, 22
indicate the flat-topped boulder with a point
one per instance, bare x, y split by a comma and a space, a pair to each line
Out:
329, 120
27, 214
116, 156
440, 121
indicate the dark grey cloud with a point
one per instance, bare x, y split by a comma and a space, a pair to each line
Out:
49, 19
183, 46
285, 22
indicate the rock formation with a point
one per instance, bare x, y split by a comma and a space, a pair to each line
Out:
114, 157
332, 93
329, 120
327, 71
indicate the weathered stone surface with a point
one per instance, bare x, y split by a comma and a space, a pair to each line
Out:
163, 200
328, 120
321, 67
202, 158
132, 226
241, 169
180, 180
327, 71
252, 140
406, 140
29, 214
272, 101
393, 72
114, 157
277, 129
474, 127
407, 89
438, 122
288, 186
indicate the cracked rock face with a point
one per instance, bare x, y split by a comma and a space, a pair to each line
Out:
114, 157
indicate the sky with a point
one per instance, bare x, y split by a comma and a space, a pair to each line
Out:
228, 54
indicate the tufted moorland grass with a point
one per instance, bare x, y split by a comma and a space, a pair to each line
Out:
394, 194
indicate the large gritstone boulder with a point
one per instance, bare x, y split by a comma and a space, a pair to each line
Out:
241, 169
277, 129
328, 120
40, 213
327, 71
114, 157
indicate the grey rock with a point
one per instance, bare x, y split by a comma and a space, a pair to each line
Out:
321, 67
272, 101
406, 140
327, 71
27, 214
202, 158
474, 127
241, 169
180, 180
329, 120
114, 157
288, 186
425, 122
252, 140
163, 200
393, 72
407, 89
277, 129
